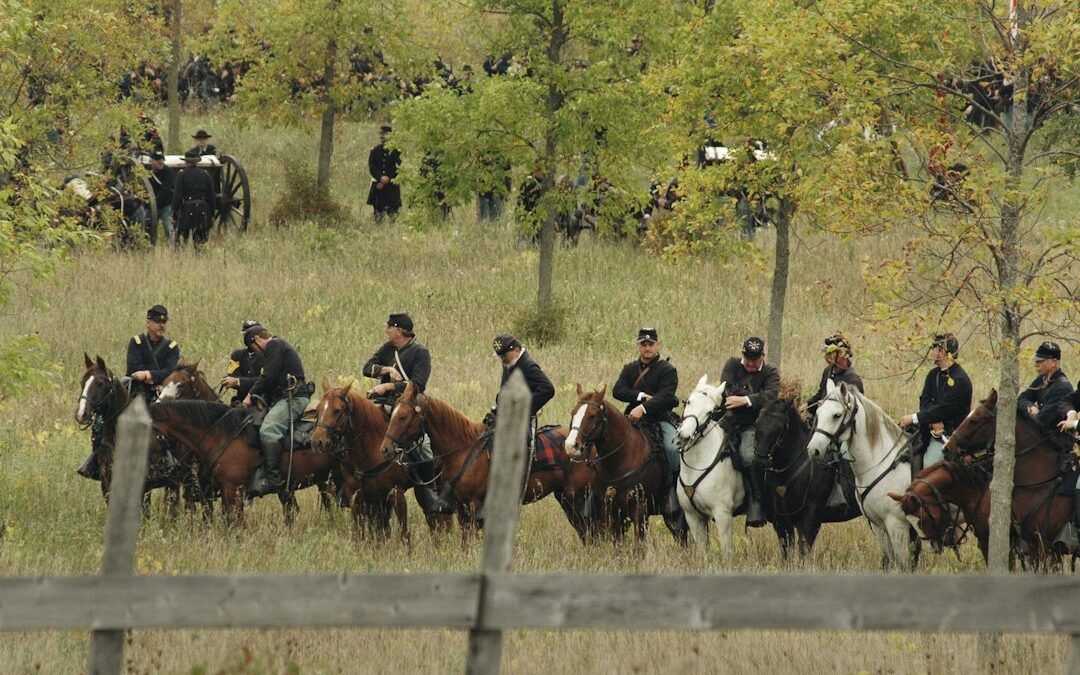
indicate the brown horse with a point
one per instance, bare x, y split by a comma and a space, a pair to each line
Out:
350, 428
462, 461
634, 482
1038, 510
965, 484
103, 397
219, 437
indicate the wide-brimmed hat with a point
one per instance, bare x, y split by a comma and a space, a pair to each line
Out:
201, 133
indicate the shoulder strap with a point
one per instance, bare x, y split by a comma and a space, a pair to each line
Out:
401, 368
641, 376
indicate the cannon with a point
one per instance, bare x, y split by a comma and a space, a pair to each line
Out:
233, 208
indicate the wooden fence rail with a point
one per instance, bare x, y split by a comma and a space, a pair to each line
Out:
494, 599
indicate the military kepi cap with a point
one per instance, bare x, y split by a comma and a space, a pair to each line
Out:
402, 321
250, 334
192, 156
504, 343
753, 347
157, 313
248, 323
201, 133
647, 334
1048, 350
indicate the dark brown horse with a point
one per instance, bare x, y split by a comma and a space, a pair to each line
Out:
964, 484
220, 438
462, 461
1038, 510
350, 428
632, 481
103, 397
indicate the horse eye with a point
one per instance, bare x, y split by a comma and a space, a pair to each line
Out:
836, 416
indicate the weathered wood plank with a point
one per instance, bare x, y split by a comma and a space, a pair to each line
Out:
802, 602
1072, 664
423, 600
502, 508
122, 524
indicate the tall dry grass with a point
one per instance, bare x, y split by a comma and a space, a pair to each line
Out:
328, 290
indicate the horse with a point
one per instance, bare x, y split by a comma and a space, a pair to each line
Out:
877, 447
1038, 510
633, 480
103, 397
187, 382
221, 438
462, 462
927, 501
350, 428
799, 489
710, 485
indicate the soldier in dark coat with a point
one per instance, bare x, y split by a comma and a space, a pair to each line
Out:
838, 355
943, 404
750, 384
398, 362
245, 364
649, 386
151, 356
514, 357
193, 201
1049, 396
384, 195
202, 144
163, 180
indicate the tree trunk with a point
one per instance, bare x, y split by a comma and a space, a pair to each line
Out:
554, 104
174, 80
774, 340
326, 134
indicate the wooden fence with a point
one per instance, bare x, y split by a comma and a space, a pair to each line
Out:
494, 599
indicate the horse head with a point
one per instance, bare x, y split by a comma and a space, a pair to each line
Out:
704, 404
406, 425
180, 383
834, 420
925, 506
773, 426
588, 422
333, 417
976, 432
95, 387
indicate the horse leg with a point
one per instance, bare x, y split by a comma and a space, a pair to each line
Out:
325, 503
232, 504
401, 511
699, 529
172, 502
899, 539
289, 506
784, 536
723, 519
807, 534
146, 504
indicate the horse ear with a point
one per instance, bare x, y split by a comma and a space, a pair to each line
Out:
830, 386
991, 400
195, 365
896, 496
325, 384
409, 391
580, 391
703, 381
348, 387
601, 392
101, 363
89, 361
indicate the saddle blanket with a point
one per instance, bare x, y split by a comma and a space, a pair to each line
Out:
550, 452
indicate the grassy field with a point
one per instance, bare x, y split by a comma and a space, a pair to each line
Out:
328, 291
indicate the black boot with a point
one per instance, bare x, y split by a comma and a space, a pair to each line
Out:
755, 510
422, 475
91, 468
1068, 540
268, 477
673, 514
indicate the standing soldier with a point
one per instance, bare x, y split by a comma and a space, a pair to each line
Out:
649, 387
282, 385
751, 383
944, 403
193, 201
383, 163
162, 179
398, 362
244, 365
202, 144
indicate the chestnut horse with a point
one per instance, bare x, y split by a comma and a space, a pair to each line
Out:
219, 437
633, 481
462, 461
965, 484
1038, 510
350, 428
187, 382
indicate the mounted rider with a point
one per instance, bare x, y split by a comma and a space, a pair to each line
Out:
751, 383
151, 356
649, 386
399, 361
282, 385
244, 365
838, 356
514, 357
944, 403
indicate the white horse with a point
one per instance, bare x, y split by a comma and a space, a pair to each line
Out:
709, 485
876, 446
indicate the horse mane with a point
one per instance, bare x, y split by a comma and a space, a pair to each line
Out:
370, 414
966, 474
189, 366
453, 421
877, 421
793, 415
205, 414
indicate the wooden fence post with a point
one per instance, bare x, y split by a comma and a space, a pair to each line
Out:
1072, 663
122, 524
501, 508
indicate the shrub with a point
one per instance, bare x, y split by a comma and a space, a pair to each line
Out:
303, 199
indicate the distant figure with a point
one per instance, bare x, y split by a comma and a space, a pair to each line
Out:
193, 201
383, 163
163, 180
202, 144
944, 403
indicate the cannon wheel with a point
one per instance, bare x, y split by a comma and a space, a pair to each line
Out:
151, 201
234, 200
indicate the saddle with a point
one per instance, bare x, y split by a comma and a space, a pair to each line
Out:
303, 430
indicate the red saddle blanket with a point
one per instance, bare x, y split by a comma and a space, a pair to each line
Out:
549, 450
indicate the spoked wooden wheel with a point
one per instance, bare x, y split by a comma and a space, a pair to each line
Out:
234, 198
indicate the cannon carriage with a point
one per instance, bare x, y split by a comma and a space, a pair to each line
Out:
233, 207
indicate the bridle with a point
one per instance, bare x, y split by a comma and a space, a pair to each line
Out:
701, 427
100, 407
595, 434
398, 443
339, 429
844, 430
